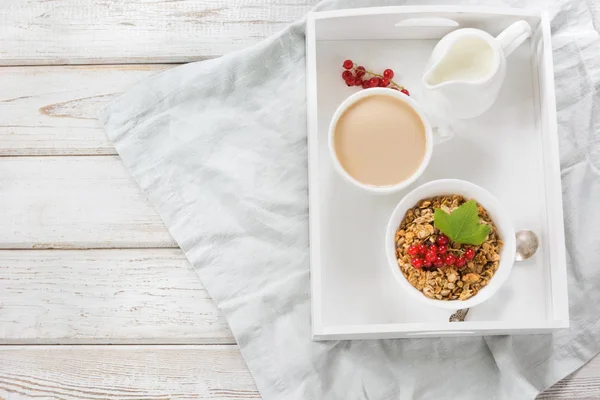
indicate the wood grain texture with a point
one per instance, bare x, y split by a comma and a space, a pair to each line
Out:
53, 110
167, 372
124, 372
115, 31
75, 203
112, 296
105, 296
582, 384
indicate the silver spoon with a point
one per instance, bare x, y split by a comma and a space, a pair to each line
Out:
527, 245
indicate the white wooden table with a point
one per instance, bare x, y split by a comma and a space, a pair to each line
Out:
96, 300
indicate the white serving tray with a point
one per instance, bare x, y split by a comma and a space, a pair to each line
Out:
512, 150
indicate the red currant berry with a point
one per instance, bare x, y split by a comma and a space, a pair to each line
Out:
439, 262
430, 256
412, 250
346, 75
350, 82
406, 92
460, 262
469, 253
348, 64
395, 88
360, 71
365, 84
385, 82
434, 248
450, 259
442, 240
358, 81
417, 262
374, 82
422, 249
442, 249
388, 73
427, 264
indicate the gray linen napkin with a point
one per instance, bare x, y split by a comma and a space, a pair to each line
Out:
220, 149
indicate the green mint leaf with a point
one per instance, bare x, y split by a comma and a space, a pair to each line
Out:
462, 225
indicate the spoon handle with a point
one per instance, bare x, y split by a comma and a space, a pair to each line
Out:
459, 315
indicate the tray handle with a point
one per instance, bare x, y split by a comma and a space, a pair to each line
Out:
430, 21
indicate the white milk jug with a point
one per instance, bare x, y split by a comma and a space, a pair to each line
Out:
467, 68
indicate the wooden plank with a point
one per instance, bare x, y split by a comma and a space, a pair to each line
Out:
167, 372
583, 384
124, 372
75, 203
115, 31
105, 296
53, 110
132, 296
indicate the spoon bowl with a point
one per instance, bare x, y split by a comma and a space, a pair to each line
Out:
527, 245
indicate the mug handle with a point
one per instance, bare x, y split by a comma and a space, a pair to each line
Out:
441, 130
513, 36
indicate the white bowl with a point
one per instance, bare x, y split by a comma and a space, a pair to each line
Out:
496, 212
428, 140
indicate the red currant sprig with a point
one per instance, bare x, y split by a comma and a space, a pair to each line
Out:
357, 75
438, 254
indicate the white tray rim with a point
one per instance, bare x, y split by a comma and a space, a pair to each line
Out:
553, 191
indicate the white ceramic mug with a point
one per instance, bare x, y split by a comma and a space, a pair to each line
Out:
431, 135
496, 212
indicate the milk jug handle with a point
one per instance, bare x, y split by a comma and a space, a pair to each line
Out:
513, 36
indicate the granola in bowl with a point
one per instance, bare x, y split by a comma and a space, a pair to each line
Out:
435, 265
